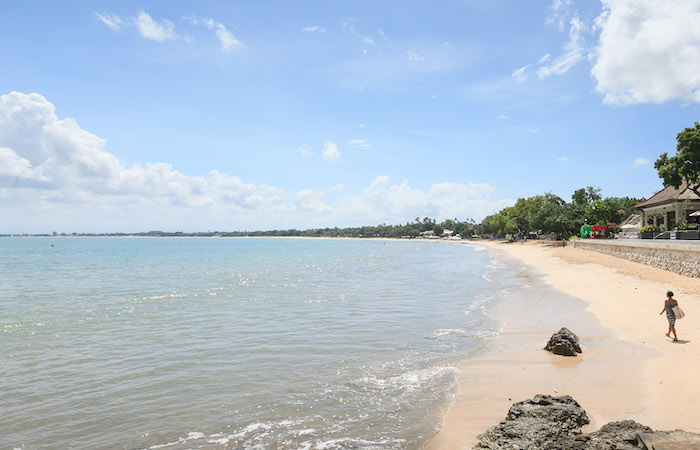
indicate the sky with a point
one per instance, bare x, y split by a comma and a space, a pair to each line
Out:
125, 116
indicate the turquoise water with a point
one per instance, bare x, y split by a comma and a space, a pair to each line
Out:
235, 343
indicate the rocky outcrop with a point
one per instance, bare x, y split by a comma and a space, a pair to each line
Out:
614, 435
563, 342
546, 422
542, 422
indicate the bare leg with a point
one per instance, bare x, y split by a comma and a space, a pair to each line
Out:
672, 329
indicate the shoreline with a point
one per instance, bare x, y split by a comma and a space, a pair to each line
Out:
629, 369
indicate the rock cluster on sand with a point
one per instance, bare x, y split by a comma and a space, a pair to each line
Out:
554, 423
543, 421
563, 342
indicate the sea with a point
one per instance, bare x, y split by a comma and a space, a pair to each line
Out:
260, 343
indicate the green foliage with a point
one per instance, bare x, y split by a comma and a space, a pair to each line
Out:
647, 228
685, 166
683, 226
549, 213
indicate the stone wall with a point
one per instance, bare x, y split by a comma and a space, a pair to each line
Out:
679, 258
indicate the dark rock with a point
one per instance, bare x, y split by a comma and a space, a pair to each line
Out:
545, 422
617, 436
563, 342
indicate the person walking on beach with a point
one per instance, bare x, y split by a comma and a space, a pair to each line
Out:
669, 303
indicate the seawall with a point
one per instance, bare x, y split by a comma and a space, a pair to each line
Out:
675, 256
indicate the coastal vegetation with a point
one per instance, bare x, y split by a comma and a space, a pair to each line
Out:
550, 213
685, 166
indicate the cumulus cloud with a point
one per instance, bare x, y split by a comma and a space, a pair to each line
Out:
330, 152
311, 201
55, 174
44, 157
383, 201
150, 29
648, 51
13, 165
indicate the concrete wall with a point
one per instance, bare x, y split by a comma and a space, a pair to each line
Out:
669, 255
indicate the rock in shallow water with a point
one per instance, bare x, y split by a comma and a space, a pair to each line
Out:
563, 342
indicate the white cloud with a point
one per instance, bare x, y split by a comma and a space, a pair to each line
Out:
54, 175
558, 11
414, 57
462, 201
521, 74
573, 52
368, 40
13, 165
648, 51
358, 143
640, 161
113, 21
153, 30
330, 152
384, 202
227, 40
165, 30
562, 159
311, 201
47, 159
314, 29
503, 116
544, 59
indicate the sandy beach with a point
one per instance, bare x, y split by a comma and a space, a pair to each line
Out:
628, 370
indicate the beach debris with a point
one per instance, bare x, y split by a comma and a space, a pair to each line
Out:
563, 342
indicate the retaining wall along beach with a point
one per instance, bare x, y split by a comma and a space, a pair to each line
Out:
683, 259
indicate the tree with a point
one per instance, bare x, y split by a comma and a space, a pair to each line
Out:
685, 166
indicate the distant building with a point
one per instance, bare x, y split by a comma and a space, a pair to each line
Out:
669, 206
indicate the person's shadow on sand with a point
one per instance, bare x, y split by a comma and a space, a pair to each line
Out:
680, 341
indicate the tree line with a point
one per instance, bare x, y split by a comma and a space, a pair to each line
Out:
550, 213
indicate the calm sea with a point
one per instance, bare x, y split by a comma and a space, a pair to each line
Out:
236, 343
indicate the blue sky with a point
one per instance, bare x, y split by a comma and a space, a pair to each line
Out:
127, 116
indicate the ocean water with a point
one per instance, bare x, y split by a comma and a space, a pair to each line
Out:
237, 343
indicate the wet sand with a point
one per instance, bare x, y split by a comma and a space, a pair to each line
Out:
629, 369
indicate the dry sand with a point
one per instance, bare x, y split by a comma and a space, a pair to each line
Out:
629, 368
